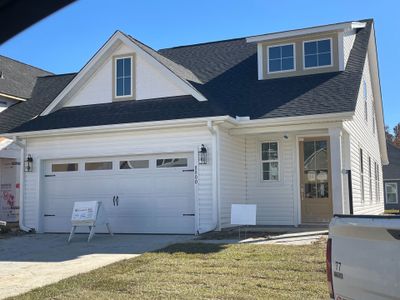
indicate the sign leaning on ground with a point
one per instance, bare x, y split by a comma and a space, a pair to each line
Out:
243, 214
88, 214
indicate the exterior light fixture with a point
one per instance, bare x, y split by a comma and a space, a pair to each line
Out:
28, 164
203, 155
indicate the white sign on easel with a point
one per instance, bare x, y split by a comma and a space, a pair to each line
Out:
91, 214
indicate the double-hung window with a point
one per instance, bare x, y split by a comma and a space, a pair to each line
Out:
281, 58
123, 76
370, 178
377, 192
318, 53
391, 193
270, 161
365, 96
362, 175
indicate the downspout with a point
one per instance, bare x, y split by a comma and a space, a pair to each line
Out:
215, 188
21, 186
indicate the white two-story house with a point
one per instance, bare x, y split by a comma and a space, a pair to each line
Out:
168, 140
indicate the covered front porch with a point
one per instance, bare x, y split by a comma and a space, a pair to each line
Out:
295, 174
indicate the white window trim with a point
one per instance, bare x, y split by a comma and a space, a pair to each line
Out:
261, 161
283, 71
115, 76
362, 175
317, 67
397, 193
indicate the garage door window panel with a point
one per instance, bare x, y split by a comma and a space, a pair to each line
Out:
133, 164
67, 167
98, 166
172, 163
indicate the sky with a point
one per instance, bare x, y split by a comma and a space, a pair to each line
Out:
66, 40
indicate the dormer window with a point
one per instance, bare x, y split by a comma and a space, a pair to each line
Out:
123, 77
317, 53
281, 58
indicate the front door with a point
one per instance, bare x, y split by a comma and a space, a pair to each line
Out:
315, 180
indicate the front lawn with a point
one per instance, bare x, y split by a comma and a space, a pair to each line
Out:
203, 271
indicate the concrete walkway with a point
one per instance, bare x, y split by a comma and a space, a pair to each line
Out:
295, 239
31, 261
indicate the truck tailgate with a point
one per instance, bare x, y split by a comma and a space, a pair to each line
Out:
365, 257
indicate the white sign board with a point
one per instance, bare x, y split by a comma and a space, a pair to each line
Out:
84, 213
243, 214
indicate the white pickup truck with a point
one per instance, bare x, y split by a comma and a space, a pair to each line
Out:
363, 257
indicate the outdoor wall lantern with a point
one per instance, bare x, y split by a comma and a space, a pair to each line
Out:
28, 164
203, 155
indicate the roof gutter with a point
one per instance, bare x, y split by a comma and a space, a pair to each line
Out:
192, 122
12, 97
307, 119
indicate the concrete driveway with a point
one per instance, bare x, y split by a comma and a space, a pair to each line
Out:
31, 261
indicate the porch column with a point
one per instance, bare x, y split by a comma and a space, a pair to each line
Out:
336, 155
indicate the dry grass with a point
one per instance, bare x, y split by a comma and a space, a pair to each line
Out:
203, 271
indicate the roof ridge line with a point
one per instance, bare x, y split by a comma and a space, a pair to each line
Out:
203, 43
26, 64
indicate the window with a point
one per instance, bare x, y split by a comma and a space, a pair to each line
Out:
365, 96
365, 91
370, 178
391, 192
133, 164
317, 53
123, 77
281, 58
362, 176
270, 161
98, 166
171, 162
67, 167
373, 120
377, 191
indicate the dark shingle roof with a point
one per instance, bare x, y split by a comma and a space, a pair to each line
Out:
392, 170
227, 77
18, 78
123, 112
46, 89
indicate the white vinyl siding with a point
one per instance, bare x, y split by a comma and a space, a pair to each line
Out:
232, 171
276, 200
361, 136
119, 144
149, 83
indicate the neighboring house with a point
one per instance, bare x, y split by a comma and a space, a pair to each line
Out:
17, 81
391, 179
168, 140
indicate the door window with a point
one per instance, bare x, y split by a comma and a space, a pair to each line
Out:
316, 177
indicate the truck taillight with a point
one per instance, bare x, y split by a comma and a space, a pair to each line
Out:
329, 267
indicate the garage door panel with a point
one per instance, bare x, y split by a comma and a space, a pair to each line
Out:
150, 200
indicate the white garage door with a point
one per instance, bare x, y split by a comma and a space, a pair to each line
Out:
155, 193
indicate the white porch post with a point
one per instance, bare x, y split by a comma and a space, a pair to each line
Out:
336, 152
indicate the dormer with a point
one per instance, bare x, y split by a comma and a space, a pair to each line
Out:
306, 51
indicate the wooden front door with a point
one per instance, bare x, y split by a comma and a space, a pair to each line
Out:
315, 180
